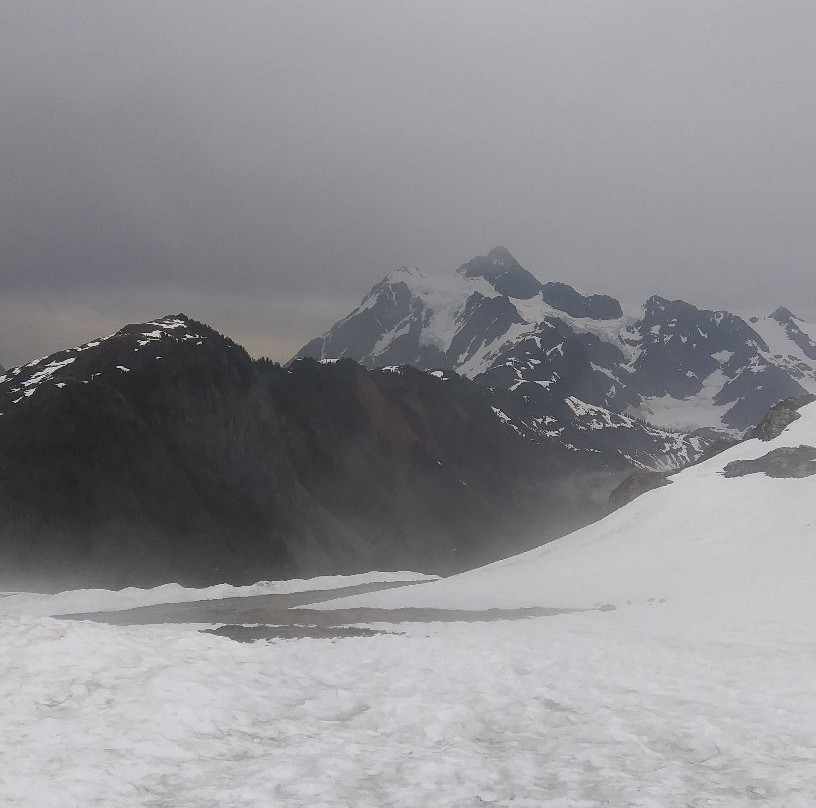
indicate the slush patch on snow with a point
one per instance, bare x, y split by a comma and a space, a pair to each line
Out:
90, 600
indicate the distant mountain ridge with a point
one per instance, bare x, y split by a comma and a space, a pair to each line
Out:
493, 321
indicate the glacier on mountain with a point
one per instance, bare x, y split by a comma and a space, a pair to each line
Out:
670, 363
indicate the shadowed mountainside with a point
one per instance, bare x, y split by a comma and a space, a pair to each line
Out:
165, 452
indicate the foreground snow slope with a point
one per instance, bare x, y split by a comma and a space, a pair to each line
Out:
706, 699
579, 711
705, 543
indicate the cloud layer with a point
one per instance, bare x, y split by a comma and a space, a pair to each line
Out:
260, 165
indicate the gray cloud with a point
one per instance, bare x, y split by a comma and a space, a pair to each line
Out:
261, 164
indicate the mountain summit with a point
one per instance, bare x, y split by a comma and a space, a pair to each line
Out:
504, 273
131, 348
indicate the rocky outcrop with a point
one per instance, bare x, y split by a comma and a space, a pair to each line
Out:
637, 483
799, 461
778, 417
785, 462
504, 273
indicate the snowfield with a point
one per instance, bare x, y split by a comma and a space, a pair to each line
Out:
580, 710
696, 690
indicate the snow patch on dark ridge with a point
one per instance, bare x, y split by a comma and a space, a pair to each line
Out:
129, 346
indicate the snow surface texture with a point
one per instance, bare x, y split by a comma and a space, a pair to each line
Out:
697, 690
579, 711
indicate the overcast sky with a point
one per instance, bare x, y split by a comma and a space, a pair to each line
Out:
260, 165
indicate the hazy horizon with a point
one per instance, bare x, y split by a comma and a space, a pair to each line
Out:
283, 348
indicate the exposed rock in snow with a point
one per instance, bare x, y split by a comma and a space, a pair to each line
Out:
778, 417
786, 462
637, 483
704, 543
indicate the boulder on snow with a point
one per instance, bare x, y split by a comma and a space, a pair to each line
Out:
789, 461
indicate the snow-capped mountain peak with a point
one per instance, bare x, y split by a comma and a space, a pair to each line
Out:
493, 321
800, 333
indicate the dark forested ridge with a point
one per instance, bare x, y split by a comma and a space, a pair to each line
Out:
166, 453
